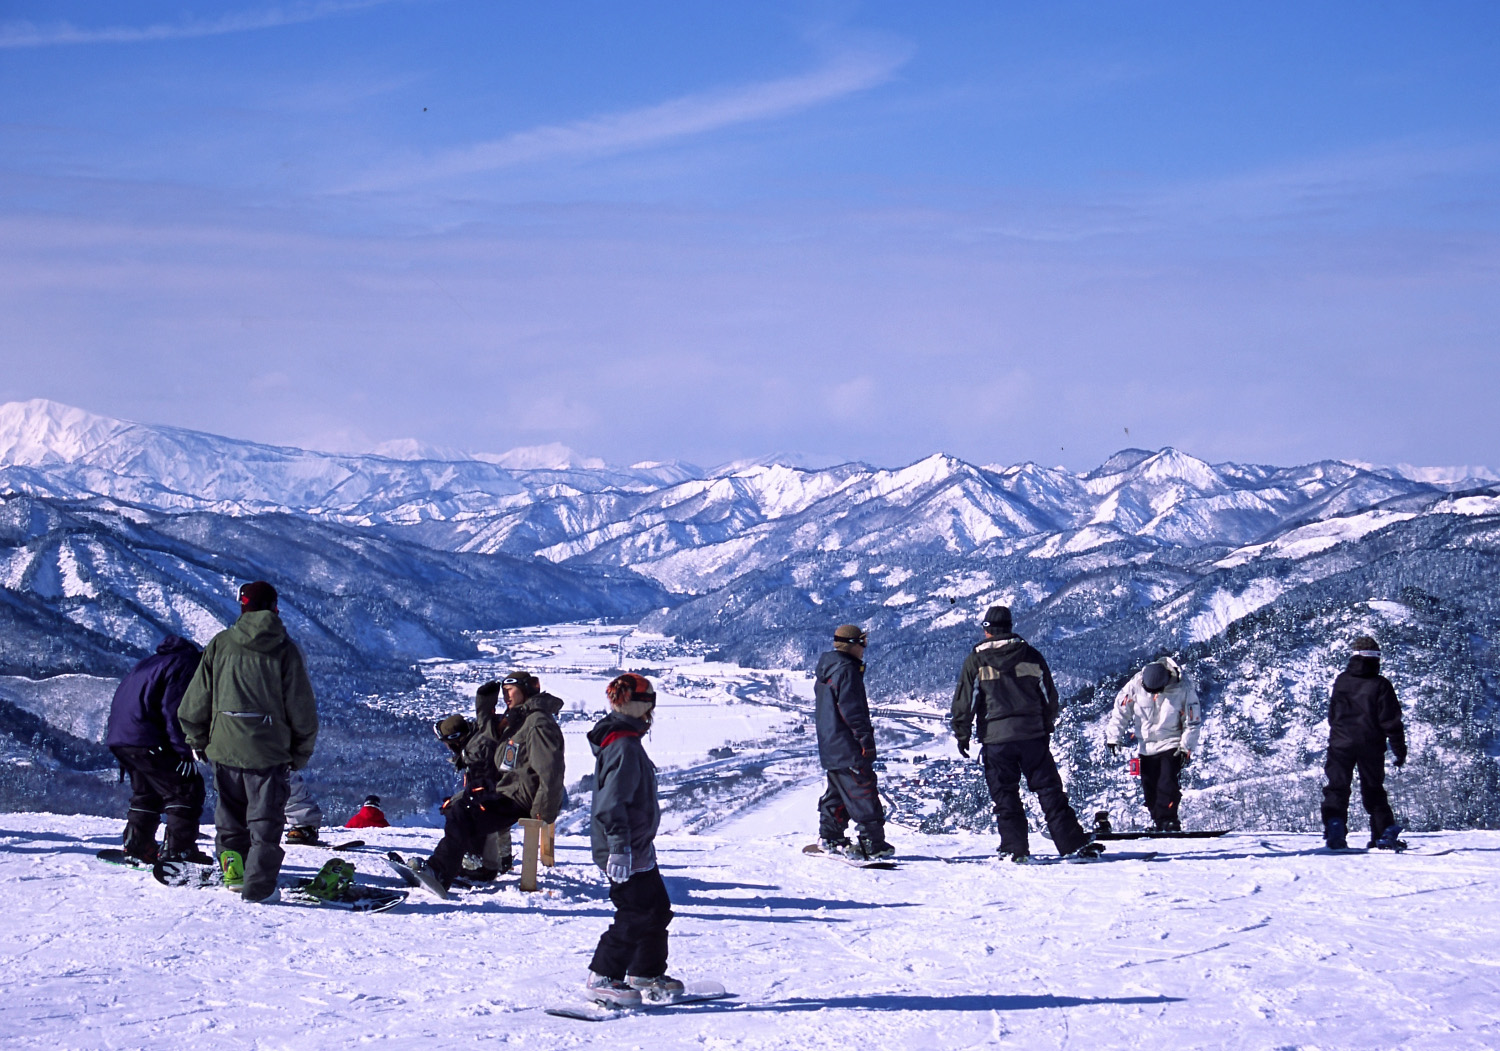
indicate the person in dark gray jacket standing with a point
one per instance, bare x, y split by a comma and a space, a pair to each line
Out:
630, 962
1006, 695
846, 748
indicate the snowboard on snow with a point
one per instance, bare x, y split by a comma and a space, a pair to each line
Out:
593, 1011
353, 844
1426, 852
116, 856
1047, 859
812, 850
1197, 834
403, 868
355, 898
187, 874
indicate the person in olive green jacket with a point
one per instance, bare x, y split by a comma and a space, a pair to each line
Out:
250, 711
522, 778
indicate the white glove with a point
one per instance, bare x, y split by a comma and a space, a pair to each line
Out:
617, 868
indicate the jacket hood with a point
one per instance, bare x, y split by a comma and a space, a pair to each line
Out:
1364, 667
611, 723
542, 702
261, 630
175, 644
833, 658
997, 642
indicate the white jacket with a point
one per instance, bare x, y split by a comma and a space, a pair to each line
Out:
1163, 722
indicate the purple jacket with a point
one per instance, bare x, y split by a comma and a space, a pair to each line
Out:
144, 711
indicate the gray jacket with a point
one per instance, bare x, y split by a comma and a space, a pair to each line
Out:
626, 813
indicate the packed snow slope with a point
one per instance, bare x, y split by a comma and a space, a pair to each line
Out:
1230, 943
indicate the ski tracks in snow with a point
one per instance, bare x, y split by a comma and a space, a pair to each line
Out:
1210, 945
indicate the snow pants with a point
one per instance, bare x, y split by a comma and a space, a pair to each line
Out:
1339, 768
157, 789
467, 826
248, 819
1160, 776
1004, 766
636, 943
852, 795
302, 810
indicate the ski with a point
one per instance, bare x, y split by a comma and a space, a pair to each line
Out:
591, 1011
812, 850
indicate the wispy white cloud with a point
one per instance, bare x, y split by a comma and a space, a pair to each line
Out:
28, 34
652, 125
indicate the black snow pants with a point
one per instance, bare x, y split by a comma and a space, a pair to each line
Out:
1339, 768
249, 818
1160, 776
852, 795
467, 823
636, 943
157, 789
1004, 766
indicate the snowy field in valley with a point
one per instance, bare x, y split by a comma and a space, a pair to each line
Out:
1241, 942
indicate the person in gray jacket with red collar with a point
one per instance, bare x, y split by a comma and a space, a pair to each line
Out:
631, 959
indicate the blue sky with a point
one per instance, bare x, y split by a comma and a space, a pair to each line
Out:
710, 231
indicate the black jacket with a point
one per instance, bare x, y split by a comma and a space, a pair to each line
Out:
1006, 688
846, 737
1363, 712
144, 711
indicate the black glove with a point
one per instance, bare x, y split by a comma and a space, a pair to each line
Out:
1113, 746
1400, 760
186, 768
963, 747
1184, 758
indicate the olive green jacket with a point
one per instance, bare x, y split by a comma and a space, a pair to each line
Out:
250, 704
528, 765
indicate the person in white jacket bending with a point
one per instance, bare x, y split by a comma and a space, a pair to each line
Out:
1163, 707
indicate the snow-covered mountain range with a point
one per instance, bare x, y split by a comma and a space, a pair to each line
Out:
117, 531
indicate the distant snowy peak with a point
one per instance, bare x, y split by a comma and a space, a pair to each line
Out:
554, 456
412, 449
39, 432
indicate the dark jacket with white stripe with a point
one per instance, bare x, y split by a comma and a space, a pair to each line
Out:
1005, 693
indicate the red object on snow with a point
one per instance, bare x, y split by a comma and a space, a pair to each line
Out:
1135, 766
368, 816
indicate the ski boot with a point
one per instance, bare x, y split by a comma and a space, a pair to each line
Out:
660, 990
303, 834
611, 992
1336, 833
332, 881
1388, 840
232, 865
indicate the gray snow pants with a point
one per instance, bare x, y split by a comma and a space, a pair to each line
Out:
248, 819
302, 810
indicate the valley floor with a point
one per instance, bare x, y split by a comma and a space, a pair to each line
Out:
1242, 942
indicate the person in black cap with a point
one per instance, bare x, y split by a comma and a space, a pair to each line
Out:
1363, 716
1161, 706
846, 748
1005, 695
